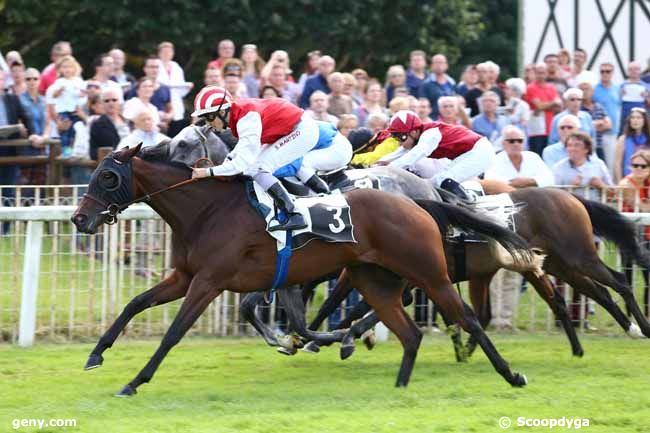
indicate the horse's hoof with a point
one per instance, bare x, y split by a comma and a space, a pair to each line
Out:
297, 342
94, 361
285, 341
634, 331
311, 347
369, 339
520, 380
127, 391
347, 351
287, 351
579, 354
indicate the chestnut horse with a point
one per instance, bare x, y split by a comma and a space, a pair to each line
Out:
221, 244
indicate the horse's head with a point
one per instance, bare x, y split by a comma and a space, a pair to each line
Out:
196, 142
111, 187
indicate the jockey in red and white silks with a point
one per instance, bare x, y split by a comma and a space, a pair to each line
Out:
271, 133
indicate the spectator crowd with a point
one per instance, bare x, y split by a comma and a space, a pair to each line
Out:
559, 124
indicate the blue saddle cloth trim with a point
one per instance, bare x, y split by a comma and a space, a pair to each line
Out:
284, 255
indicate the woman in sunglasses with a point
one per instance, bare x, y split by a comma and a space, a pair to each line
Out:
636, 136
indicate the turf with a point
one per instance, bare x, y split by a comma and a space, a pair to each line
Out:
228, 385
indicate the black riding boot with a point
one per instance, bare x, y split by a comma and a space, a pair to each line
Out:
455, 188
317, 185
283, 201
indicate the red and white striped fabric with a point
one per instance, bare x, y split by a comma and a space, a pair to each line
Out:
211, 99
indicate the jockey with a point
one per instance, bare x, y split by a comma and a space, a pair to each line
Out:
470, 153
271, 133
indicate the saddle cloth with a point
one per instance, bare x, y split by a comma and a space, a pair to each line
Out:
328, 218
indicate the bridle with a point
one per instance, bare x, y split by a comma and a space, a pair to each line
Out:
112, 209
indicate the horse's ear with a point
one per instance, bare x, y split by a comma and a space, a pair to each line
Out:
128, 153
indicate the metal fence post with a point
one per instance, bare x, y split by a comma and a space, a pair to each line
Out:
31, 274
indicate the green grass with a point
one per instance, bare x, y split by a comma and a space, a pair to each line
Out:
225, 385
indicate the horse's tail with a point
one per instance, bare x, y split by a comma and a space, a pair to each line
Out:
613, 226
450, 215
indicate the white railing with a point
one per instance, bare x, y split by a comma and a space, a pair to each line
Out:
56, 282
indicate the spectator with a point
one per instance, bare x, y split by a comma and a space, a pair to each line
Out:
252, 71
544, 101
634, 92
161, 98
281, 58
232, 83
361, 86
17, 70
579, 62
311, 68
103, 71
144, 132
121, 77
347, 123
68, 96
573, 101
516, 110
5, 64
468, 80
450, 111
493, 71
490, 123
556, 152
225, 51
278, 80
318, 81
555, 75
529, 73
110, 127
395, 78
581, 168
377, 122
520, 169
636, 136
48, 75
79, 174
398, 103
13, 113
416, 73
133, 107
339, 103
373, 103
172, 75
438, 84
318, 105
34, 106
601, 123
636, 198
564, 59
213, 77
423, 109
269, 92
235, 67
350, 88
486, 77
608, 94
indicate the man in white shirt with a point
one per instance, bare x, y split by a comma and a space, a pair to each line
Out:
520, 168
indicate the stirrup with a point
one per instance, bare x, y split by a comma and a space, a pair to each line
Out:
294, 221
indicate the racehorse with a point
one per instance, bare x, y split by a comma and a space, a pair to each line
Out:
221, 244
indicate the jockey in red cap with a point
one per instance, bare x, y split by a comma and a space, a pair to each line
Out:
470, 153
271, 133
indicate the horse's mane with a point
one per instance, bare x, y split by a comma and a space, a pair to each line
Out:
159, 154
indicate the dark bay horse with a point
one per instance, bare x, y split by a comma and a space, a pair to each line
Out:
221, 244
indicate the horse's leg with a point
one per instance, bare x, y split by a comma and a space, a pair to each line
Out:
479, 290
198, 297
341, 290
171, 288
448, 299
555, 300
247, 309
382, 289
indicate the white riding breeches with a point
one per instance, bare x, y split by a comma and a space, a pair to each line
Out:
336, 156
287, 149
469, 164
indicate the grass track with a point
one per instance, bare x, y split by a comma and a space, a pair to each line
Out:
226, 385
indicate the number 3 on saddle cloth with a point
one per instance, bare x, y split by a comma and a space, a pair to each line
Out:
328, 219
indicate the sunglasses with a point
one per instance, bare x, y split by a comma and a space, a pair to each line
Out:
606, 71
575, 99
641, 166
31, 79
514, 140
110, 100
567, 127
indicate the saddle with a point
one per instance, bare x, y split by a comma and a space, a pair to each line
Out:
335, 179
